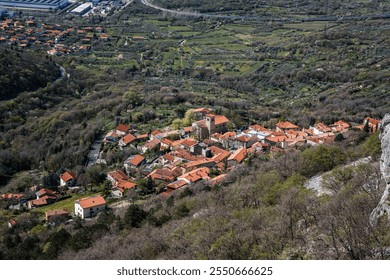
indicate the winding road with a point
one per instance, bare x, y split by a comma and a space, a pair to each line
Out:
258, 18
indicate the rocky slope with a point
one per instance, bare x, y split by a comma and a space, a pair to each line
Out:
383, 206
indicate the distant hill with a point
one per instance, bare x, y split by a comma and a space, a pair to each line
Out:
279, 7
22, 71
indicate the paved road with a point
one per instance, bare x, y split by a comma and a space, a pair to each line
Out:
94, 151
258, 18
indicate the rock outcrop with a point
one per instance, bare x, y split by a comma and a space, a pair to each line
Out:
384, 204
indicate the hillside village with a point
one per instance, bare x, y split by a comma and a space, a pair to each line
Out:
170, 160
56, 40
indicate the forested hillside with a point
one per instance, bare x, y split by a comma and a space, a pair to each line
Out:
20, 71
279, 7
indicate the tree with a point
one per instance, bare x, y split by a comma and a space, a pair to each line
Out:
146, 186
134, 216
319, 159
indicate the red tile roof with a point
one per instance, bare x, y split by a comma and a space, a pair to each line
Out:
196, 175
192, 164
202, 110
177, 184
167, 193
126, 184
276, 139
57, 212
217, 180
238, 155
259, 128
342, 124
89, 202
372, 121
137, 159
168, 157
42, 200
323, 127
286, 125
112, 133
118, 175
221, 120
166, 141
183, 154
243, 138
156, 132
142, 136
67, 176
128, 138
43, 192
152, 143
11, 196
219, 154
188, 129
122, 128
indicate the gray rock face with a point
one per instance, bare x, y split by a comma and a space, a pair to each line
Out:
383, 206
385, 139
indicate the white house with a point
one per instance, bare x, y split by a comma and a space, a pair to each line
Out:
67, 179
89, 206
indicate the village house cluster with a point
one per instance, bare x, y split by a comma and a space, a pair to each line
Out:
207, 151
204, 152
38, 196
31, 33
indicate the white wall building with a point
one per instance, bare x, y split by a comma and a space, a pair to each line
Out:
89, 206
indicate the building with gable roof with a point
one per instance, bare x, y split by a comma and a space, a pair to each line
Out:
89, 206
67, 179
210, 125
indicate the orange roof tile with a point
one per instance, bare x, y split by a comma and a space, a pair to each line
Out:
56, 212
137, 159
167, 193
342, 124
128, 138
67, 176
238, 155
143, 136
188, 129
276, 139
372, 121
166, 141
259, 128
112, 133
177, 184
156, 132
221, 120
196, 175
168, 157
217, 180
118, 175
286, 125
152, 143
192, 164
89, 202
45, 192
126, 184
322, 127
122, 128
202, 110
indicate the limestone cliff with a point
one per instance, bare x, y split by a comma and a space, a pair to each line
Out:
384, 204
